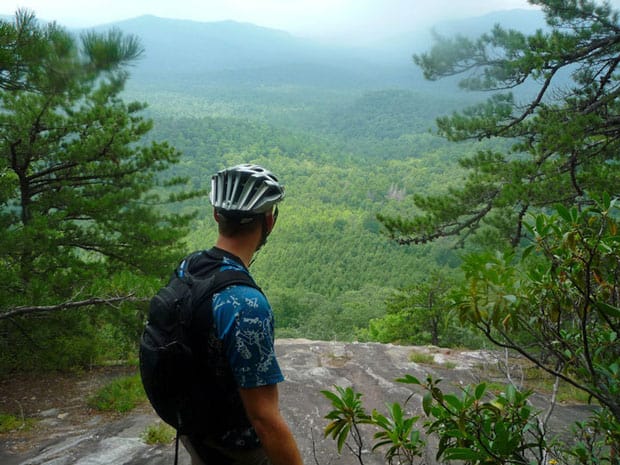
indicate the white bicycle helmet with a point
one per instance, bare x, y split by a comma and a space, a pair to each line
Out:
245, 191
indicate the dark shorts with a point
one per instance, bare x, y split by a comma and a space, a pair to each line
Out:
207, 452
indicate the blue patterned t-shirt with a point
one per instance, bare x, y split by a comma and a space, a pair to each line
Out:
244, 322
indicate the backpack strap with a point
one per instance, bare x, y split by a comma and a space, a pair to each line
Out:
203, 288
225, 278
176, 448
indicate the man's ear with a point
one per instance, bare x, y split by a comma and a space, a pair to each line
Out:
216, 216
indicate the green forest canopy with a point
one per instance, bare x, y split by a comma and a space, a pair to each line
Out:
345, 154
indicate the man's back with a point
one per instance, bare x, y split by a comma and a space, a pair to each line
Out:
232, 341
244, 200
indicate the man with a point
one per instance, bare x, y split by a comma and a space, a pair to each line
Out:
244, 424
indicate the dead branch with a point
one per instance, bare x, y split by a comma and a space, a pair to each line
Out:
25, 310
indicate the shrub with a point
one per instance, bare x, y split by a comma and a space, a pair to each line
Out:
10, 423
159, 433
121, 395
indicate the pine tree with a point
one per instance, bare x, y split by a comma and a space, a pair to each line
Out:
564, 141
79, 195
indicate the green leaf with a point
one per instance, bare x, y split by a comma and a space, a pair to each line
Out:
454, 401
332, 397
379, 419
607, 309
510, 393
427, 403
540, 225
461, 453
397, 412
381, 443
564, 213
342, 436
501, 438
408, 379
527, 251
332, 429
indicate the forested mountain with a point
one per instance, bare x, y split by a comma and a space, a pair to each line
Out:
235, 54
349, 132
503, 231
241, 54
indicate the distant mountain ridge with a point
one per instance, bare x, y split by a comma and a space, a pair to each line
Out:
526, 21
213, 45
230, 52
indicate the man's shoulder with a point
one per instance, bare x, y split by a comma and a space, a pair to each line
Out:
220, 268
243, 304
242, 291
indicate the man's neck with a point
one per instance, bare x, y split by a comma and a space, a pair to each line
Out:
244, 249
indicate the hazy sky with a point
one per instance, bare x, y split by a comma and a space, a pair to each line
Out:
314, 18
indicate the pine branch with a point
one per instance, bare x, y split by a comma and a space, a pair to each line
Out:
449, 228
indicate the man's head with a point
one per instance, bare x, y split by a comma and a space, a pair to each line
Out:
244, 198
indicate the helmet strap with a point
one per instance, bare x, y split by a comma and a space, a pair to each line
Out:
263, 239
264, 232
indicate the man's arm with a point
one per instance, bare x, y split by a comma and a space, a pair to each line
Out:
263, 410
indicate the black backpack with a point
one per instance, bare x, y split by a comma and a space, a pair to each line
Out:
167, 366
